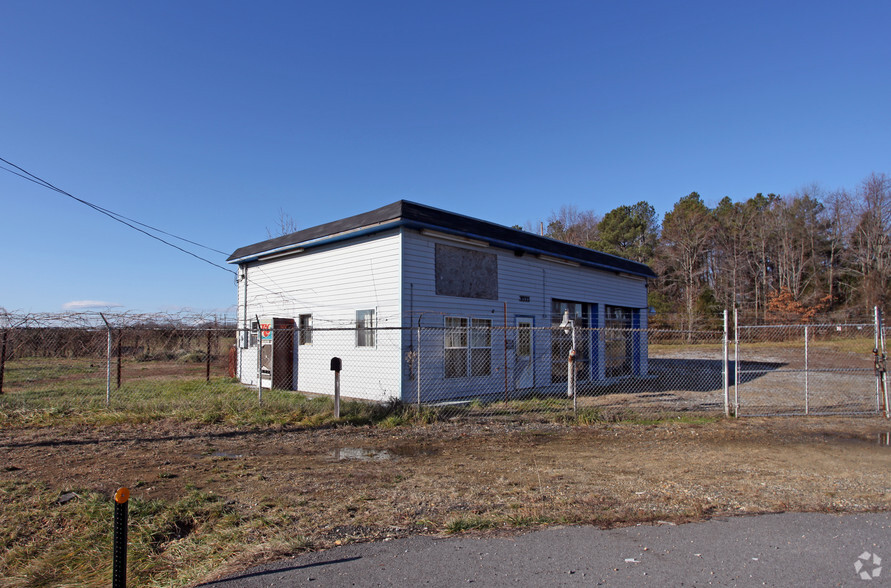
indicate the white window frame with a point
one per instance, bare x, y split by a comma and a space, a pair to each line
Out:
470, 335
304, 336
254, 334
480, 327
365, 332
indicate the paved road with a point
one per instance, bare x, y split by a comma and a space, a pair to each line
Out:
772, 550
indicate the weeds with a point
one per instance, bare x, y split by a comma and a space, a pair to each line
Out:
469, 523
47, 544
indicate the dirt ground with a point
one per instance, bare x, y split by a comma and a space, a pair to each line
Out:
362, 483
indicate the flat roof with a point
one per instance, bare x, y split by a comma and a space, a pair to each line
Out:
418, 216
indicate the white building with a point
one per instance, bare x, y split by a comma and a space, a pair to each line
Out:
374, 277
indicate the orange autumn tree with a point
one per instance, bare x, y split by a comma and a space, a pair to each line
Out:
782, 306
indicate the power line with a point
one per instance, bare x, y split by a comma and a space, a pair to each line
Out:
25, 174
115, 216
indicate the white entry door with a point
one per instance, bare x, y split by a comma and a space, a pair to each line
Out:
524, 356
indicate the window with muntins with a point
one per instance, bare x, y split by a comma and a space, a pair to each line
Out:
480, 347
468, 347
305, 335
365, 328
455, 343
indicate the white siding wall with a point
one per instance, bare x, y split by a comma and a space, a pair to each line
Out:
332, 282
526, 275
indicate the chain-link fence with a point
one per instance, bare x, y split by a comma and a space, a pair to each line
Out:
467, 368
808, 369
150, 369
613, 373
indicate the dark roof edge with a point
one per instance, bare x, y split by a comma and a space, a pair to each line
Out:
389, 212
419, 216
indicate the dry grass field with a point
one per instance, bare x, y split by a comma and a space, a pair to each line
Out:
212, 498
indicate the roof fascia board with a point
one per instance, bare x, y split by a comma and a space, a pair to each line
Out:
514, 247
369, 230
418, 225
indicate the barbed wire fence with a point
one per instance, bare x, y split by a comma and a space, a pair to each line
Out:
205, 368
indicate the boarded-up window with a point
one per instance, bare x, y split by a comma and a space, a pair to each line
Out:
466, 273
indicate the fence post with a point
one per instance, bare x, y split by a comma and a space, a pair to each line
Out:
207, 376
107, 364
806, 389
259, 362
886, 399
876, 351
120, 336
418, 371
505, 352
735, 362
726, 372
885, 374
2, 360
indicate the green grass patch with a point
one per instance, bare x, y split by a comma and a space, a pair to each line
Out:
221, 400
45, 543
469, 523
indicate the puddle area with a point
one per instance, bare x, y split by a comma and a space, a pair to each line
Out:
361, 454
880, 439
220, 455
368, 454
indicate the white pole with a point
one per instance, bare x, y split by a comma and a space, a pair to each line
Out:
107, 364
726, 374
806, 390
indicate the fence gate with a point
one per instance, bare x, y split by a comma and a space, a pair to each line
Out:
828, 369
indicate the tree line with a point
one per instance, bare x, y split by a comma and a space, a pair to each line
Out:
800, 257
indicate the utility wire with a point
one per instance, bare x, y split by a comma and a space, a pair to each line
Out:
25, 174
113, 215
97, 207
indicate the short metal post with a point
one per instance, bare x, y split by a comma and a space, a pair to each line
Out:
119, 552
806, 389
336, 366
337, 395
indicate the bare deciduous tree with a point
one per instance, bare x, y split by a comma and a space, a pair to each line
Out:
572, 225
285, 225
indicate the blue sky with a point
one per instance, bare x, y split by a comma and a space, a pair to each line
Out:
206, 118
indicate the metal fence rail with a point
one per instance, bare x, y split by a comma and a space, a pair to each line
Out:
806, 369
469, 369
